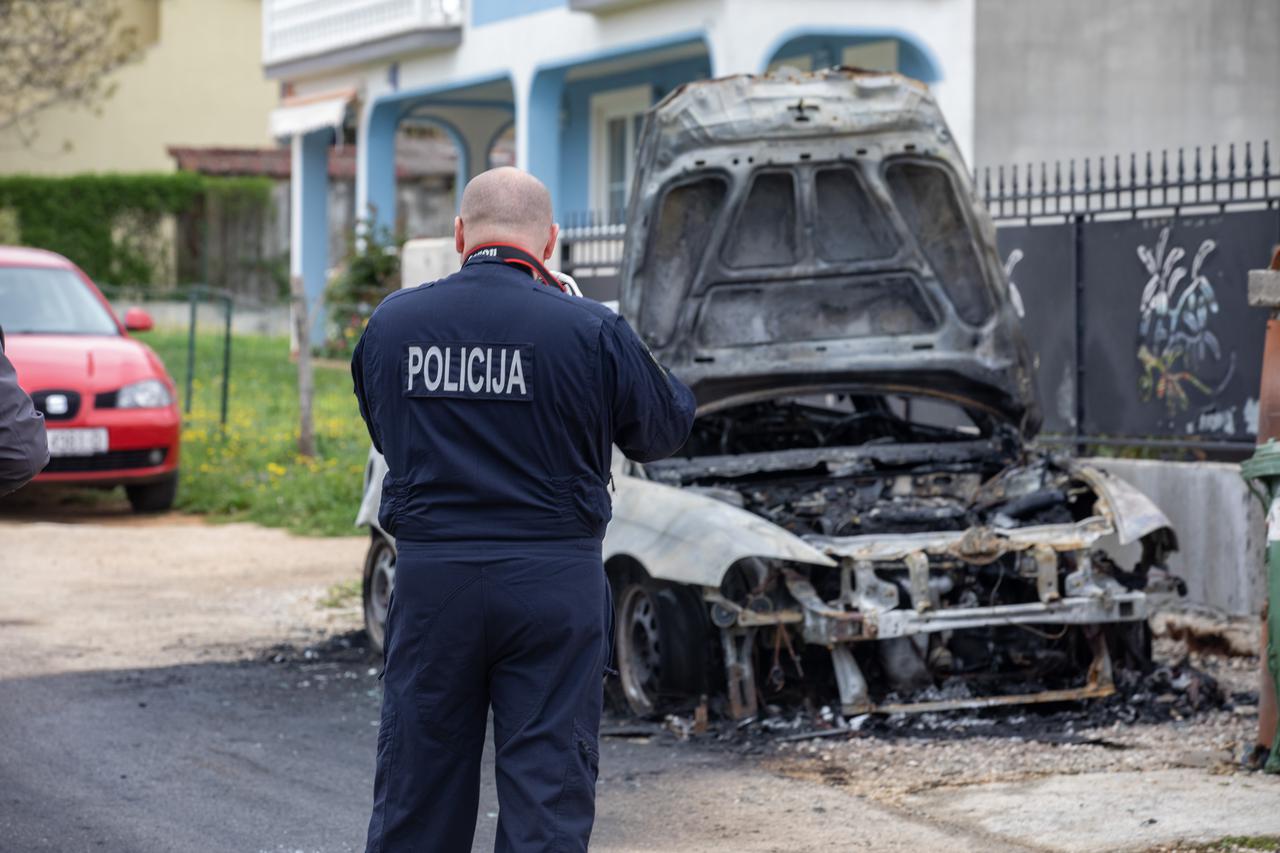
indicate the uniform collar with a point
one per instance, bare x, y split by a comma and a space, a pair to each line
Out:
477, 261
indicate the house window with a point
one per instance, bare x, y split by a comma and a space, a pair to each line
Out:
872, 55
801, 62
616, 119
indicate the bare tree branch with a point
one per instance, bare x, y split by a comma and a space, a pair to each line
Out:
58, 52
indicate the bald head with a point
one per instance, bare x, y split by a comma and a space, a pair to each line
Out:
506, 205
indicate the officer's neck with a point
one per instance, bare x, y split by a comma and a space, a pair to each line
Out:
516, 242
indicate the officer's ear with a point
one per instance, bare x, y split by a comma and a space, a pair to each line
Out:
551, 242
459, 242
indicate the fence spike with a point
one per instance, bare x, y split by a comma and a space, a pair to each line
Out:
1231, 171
1088, 183
1057, 185
1029, 181
1248, 159
1000, 183
1198, 171
1133, 178
1182, 177
986, 183
1213, 162
1044, 183
1115, 179
1164, 175
1266, 158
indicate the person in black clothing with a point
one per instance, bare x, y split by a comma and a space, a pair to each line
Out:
24, 449
496, 399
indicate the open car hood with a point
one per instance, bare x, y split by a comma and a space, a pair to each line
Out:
807, 232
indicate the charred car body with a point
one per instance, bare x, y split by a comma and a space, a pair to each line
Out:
856, 512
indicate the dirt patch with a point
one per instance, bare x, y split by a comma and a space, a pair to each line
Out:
151, 593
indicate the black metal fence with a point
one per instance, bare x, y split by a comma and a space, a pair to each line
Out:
1132, 273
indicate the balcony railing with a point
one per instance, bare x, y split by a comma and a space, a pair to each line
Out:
325, 33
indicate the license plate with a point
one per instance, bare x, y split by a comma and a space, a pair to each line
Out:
77, 442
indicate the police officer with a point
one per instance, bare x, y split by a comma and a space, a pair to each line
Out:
496, 398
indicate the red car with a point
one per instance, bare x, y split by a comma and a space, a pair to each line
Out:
109, 404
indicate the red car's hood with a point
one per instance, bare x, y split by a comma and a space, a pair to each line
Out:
87, 363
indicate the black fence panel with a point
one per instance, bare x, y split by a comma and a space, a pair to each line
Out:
1171, 346
1133, 270
1039, 263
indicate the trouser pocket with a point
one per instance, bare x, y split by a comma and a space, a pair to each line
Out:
575, 813
609, 628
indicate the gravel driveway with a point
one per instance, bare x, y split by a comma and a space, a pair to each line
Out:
168, 685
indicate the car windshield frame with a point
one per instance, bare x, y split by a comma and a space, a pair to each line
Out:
56, 300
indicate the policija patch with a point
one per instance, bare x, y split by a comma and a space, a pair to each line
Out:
473, 371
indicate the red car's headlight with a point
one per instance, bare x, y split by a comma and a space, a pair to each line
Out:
147, 394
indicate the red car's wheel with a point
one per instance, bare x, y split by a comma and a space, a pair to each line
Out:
153, 497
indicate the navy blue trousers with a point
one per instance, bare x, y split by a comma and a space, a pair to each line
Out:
522, 627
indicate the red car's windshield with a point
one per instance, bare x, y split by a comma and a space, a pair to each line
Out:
42, 300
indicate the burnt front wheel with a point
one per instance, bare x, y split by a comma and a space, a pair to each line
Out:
661, 632
379, 580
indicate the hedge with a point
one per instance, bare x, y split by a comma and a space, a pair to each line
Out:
111, 224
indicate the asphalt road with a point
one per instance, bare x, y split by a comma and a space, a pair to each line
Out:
156, 694
262, 756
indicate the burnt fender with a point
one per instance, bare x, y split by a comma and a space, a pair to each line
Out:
1132, 513
690, 538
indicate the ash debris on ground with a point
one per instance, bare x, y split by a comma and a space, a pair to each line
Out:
1168, 693
351, 647
1178, 721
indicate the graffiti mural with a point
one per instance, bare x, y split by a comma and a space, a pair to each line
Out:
1175, 341
1141, 328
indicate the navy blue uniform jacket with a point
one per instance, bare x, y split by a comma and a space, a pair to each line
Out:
495, 400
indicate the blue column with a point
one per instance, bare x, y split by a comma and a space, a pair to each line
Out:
309, 221
538, 122
376, 165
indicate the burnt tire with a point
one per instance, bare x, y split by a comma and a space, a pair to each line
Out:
1129, 644
379, 583
153, 497
660, 644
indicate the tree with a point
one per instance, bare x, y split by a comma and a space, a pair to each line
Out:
58, 52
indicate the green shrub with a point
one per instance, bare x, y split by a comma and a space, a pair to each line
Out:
369, 271
110, 224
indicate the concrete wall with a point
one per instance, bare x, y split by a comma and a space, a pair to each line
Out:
1220, 525
173, 316
198, 82
1057, 80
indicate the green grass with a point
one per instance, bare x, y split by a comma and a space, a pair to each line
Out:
251, 470
344, 594
1249, 842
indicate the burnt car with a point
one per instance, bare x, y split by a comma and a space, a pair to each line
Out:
858, 517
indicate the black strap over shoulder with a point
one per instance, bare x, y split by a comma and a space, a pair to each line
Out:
516, 257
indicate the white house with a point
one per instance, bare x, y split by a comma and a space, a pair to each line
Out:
571, 77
